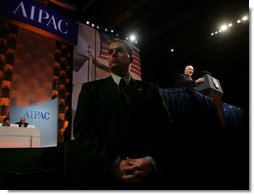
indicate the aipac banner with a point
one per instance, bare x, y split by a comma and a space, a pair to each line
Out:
43, 116
40, 18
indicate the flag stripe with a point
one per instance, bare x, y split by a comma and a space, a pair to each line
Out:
135, 49
135, 72
105, 58
104, 53
137, 68
136, 58
136, 54
105, 46
135, 62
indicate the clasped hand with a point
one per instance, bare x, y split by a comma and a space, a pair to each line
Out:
133, 170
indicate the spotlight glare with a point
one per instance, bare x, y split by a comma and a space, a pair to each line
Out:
215, 32
106, 30
172, 50
223, 27
136, 41
93, 25
87, 22
117, 35
212, 34
230, 24
98, 27
112, 31
238, 21
219, 30
132, 38
245, 18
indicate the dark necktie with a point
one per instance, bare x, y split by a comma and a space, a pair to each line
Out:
124, 89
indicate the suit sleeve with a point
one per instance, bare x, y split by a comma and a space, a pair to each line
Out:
163, 124
93, 150
184, 82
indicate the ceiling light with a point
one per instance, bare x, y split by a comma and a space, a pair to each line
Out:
112, 31
93, 25
223, 27
212, 34
172, 50
245, 18
238, 21
230, 24
133, 38
87, 22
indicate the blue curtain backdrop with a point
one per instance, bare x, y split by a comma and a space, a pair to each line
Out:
191, 109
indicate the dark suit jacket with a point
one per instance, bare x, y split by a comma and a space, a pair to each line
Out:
105, 129
184, 81
19, 123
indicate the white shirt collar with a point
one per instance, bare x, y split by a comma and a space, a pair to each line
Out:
117, 78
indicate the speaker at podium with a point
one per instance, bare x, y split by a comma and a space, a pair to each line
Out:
210, 85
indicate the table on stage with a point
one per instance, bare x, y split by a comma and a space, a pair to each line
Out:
19, 137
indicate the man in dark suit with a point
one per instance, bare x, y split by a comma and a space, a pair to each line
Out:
119, 127
22, 122
185, 79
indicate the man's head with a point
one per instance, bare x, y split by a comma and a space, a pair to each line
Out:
120, 57
7, 121
23, 120
188, 71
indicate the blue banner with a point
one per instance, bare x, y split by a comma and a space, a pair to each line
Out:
41, 17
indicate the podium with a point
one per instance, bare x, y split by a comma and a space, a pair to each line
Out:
212, 88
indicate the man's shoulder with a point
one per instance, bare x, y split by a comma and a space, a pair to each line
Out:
96, 82
181, 75
145, 84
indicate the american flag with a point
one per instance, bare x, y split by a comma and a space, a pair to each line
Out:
135, 68
135, 65
104, 50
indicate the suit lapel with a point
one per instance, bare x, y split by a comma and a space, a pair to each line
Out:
112, 93
136, 92
111, 90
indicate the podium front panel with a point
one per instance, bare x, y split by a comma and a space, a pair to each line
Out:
19, 137
211, 84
